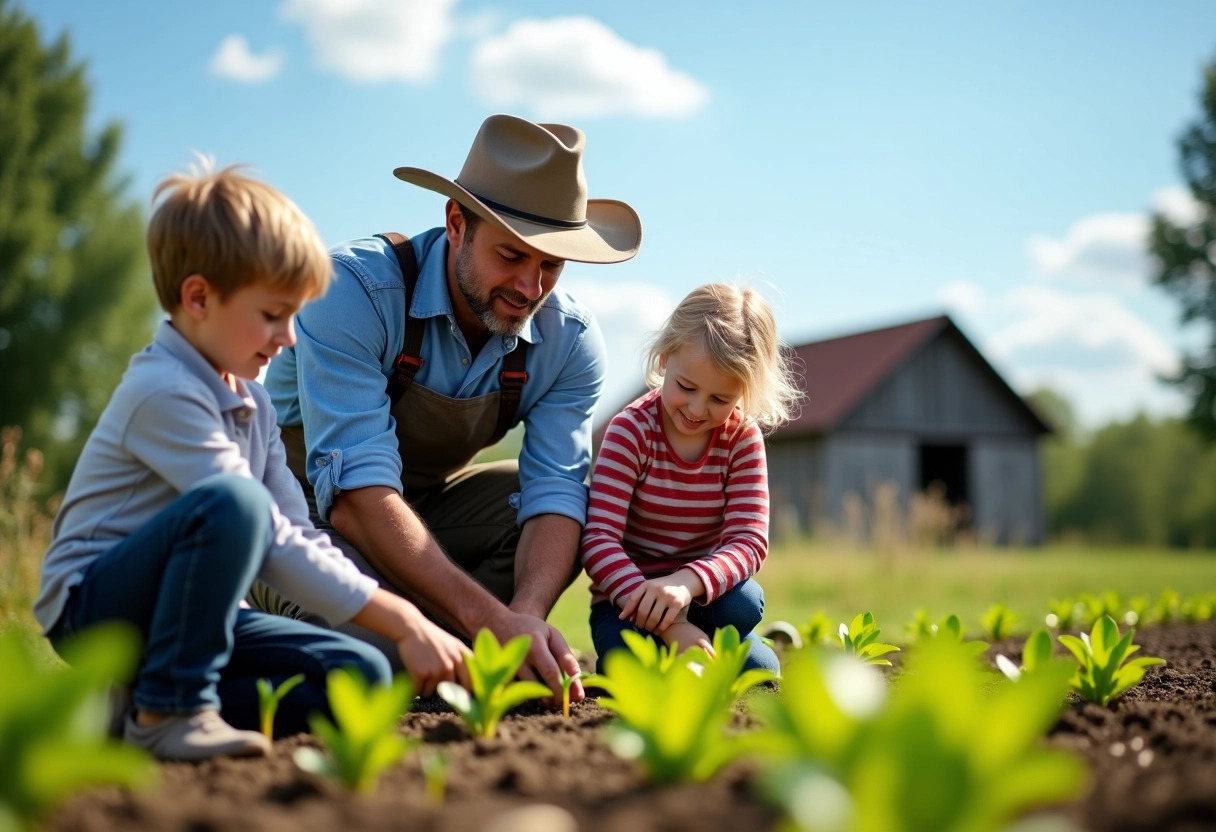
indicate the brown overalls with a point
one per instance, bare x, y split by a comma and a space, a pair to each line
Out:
466, 507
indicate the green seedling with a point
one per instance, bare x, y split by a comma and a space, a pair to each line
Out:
921, 626
951, 629
816, 631
1195, 610
53, 724
366, 739
435, 772
1036, 653
567, 681
1105, 670
491, 669
1137, 612
732, 651
672, 720
943, 752
860, 639
1096, 606
269, 698
1166, 607
650, 651
998, 622
1062, 614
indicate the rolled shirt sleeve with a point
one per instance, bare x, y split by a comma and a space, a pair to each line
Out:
341, 340
556, 453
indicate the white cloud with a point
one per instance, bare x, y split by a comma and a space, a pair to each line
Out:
628, 313
1178, 205
1111, 249
1107, 249
573, 67
1088, 345
376, 40
235, 61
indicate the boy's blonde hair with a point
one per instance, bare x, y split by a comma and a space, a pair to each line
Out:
234, 231
737, 329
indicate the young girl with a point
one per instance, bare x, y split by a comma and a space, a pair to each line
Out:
678, 519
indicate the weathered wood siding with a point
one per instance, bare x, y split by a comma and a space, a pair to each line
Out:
1006, 493
945, 394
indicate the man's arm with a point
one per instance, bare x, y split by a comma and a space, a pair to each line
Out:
544, 561
395, 541
386, 531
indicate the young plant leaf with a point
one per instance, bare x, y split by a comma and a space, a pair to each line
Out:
860, 639
942, 753
1105, 671
269, 698
365, 739
491, 668
53, 723
567, 681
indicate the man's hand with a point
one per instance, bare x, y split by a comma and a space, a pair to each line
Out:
548, 653
687, 635
429, 654
656, 604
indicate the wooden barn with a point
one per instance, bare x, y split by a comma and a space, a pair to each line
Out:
915, 407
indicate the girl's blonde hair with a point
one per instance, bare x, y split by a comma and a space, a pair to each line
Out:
737, 329
234, 231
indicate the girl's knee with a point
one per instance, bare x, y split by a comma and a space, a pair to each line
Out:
761, 656
742, 606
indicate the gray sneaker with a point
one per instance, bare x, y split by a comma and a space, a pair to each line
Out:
197, 736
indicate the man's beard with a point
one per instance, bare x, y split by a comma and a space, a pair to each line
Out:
483, 308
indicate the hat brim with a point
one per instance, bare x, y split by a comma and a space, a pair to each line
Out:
612, 234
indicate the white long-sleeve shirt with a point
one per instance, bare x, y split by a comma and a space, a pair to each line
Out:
171, 422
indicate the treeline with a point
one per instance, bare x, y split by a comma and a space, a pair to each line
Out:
1141, 481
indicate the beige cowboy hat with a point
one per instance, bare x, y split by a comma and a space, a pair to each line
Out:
527, 179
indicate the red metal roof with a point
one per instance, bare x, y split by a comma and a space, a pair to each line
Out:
840, 372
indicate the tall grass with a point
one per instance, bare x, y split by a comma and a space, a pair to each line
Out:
25, 530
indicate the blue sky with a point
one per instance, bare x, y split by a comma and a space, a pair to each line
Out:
861, 166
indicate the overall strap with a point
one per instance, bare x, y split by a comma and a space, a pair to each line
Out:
512, 379
409, 361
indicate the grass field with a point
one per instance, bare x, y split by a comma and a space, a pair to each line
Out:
800, 580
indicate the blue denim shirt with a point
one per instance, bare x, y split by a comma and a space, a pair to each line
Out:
333, 380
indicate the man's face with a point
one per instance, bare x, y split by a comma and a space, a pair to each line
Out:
502, 280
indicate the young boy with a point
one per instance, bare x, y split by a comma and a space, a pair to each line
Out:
182, 496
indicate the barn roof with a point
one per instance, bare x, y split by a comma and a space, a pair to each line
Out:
842, 372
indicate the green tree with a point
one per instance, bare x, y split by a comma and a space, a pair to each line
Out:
75, 300
1062, 452
1140, 482
1186, 258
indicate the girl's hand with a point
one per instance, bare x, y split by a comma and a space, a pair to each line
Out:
655, 604
687, 635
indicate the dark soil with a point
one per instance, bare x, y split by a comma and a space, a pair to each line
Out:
1152, 758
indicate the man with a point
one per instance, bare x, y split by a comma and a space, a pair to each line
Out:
382, 411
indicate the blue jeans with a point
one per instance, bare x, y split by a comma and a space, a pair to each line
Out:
179, 580
741, 606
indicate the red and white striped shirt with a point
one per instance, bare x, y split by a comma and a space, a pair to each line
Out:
652, 513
